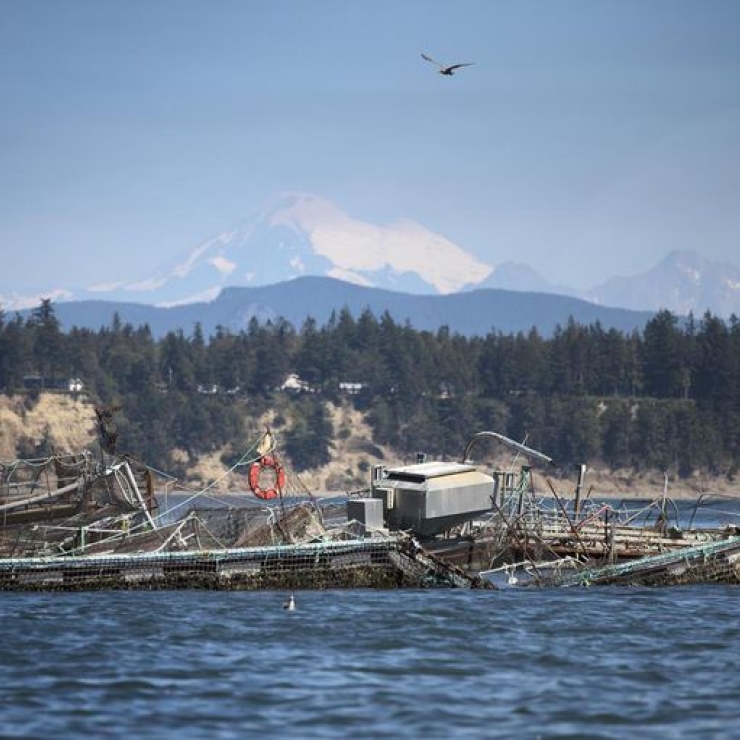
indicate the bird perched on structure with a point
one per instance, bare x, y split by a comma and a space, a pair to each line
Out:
446, 69
107, 427
289, 605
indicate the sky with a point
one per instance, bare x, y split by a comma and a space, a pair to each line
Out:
589, 139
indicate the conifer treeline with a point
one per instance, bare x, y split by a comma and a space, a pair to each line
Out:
666, 398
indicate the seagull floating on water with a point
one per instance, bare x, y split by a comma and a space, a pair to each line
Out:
289, 604
446, 69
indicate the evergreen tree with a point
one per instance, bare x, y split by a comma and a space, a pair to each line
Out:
667, 398
663, 358
47, 342
308, 440
617, 426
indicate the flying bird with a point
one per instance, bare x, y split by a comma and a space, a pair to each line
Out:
446, 70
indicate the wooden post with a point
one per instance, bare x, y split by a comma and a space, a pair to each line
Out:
573, 528
579, 485
612, 546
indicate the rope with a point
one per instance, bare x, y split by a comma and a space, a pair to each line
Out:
649, 562
119, 527
247, 458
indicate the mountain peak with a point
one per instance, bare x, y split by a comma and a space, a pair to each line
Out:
303, 234
301, 209
378, 255
683, 282
300, 234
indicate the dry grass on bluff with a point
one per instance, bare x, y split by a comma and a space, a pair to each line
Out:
68, 424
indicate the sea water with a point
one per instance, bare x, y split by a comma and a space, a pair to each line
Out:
521, 663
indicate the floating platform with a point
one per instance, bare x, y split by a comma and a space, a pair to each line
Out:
387, 563
606, 541
714, 562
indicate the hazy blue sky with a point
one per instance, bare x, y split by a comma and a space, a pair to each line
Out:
591, 137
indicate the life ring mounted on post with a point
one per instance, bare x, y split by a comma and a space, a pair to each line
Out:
267, 462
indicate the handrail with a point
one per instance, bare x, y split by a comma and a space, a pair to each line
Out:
518, 446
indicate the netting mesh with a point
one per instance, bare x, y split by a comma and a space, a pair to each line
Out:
369, 563
716, 561
113, 523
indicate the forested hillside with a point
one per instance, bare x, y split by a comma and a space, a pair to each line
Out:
665, 399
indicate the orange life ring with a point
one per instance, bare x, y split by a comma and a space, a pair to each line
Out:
268, 461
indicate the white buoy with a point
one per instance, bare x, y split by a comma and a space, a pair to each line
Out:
290, 604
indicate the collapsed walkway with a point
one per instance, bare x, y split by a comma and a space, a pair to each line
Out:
381, 562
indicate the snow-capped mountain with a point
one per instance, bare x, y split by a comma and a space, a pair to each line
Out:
303, 234
683, 282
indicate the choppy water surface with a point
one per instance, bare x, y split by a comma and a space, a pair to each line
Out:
368, 664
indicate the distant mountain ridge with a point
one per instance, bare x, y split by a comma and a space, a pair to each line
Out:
684, 282
471, 313
302, 235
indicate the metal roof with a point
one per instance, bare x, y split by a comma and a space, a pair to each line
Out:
420, 472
